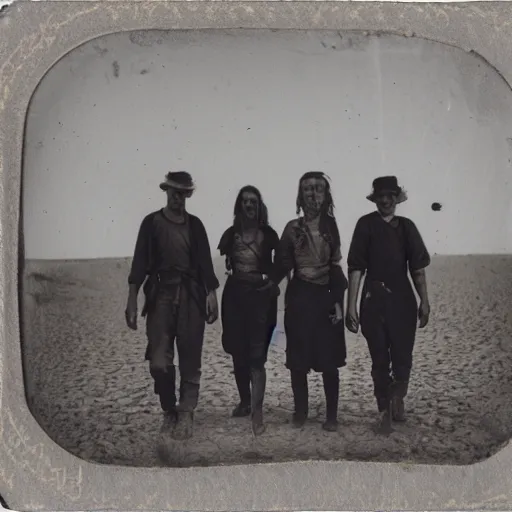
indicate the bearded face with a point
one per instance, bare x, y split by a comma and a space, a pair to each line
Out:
314, 193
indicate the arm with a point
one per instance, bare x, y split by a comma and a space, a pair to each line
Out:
337, 278
418, 259
224, 247
139, 270
357, 264
357, 261
419, 279
354, 282
420, 283
210, 281
284, 260
205, 259
273, 244
141, 259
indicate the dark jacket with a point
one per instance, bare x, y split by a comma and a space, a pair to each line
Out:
146, 258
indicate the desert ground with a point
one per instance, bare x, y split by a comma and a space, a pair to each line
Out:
89, 386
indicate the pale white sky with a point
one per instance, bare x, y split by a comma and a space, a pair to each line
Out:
111, 118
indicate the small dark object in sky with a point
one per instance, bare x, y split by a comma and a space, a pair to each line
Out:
436, 207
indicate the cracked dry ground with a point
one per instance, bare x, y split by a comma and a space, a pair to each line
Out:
90, 388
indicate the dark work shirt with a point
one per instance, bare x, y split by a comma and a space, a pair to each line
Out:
173, 244
166, 246
385, 251
249, 254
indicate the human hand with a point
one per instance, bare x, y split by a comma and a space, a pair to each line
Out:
270, 285
352, 320
337, 316
423, 314
131, 313
212, 307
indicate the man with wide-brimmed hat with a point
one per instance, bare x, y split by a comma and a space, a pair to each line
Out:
386, 247
173, 260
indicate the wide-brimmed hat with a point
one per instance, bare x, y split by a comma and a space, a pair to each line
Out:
387, 184
179, 180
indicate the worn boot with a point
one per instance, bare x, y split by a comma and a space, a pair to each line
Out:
399, 391
384, 426
183, 429
243, 383
300, 398
258, 383
165, 388
169, 422
189, 395
242, 410
331, 388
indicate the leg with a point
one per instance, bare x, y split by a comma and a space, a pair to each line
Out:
402, 345
161, 329
373, 328
258, 385
257, 332
379, 352
300, 397
165, 387
331, 381
243, 383
233, 342
191, 325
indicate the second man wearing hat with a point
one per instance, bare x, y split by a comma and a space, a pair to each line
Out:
387, 247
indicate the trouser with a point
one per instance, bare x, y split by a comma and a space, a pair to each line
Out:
331, 381
389, 327
175, 316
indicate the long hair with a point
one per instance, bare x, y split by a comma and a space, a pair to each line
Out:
328, 225
238, 212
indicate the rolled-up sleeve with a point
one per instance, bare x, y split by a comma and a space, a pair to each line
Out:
357, 259
417, 254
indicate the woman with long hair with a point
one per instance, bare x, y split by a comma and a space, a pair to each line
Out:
315, 336
249, 304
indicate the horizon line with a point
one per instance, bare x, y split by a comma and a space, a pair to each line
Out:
108, 258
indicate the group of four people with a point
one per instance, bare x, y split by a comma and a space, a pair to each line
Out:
172, 261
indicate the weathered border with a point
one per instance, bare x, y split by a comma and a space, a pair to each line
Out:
37, 474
